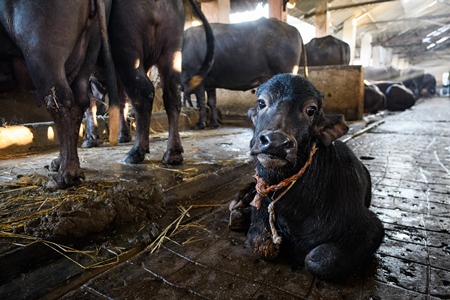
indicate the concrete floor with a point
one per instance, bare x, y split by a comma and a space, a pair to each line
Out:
408, 156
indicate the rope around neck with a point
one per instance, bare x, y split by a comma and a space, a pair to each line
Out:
263, 189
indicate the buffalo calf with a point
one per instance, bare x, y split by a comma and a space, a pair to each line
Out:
312, 193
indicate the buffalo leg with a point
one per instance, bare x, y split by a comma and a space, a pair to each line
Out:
67, 116
124, 133
260, 236
212, 101
91, 135
172, 103
338, 259
141, 92
200, 95
187, 99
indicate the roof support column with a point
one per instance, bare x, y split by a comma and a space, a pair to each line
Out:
366, 49
349, 36
394, 61
277, 10
322, 27
217, 11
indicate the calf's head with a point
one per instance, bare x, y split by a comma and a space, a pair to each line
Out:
288, 119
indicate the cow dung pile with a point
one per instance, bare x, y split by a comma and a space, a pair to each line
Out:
92, 207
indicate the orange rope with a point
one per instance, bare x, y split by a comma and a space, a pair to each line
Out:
263, 189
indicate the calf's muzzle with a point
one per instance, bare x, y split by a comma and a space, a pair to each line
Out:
275, 142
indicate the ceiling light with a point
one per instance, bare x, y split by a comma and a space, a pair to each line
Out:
442, 40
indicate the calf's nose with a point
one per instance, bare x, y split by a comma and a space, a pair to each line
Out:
275, 140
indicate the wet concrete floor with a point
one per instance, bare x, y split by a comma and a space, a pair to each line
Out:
408, 155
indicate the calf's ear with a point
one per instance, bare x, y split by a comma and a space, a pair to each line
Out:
252, 115
330, 127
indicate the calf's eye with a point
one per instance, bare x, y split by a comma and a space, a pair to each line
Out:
310, 111
261, 104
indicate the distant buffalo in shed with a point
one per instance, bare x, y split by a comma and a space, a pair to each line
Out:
245, 55
311, 196
399, 97
374, 99
327, 51
414, 78
428, 86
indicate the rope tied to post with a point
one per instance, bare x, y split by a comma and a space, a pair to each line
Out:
263, 189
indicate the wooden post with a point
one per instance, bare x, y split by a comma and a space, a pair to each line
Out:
322, 27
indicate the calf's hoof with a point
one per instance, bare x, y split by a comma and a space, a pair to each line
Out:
240, 219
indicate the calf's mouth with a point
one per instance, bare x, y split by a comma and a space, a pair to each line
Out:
274, 149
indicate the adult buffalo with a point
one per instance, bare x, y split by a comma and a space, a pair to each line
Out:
312, 193
428, 86
326, 51
399, 97
374, 99
147, 33
54, 46
245, 55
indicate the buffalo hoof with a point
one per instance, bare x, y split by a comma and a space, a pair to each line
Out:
135, 156
124, 138
90, 143
54, 165
214, 124
172, 158
63, 181
200, 125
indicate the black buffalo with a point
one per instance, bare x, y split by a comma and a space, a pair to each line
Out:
312, 192
147, 33
246, 54
374, 99
399, 97
428, 86
54, 46
326, 51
